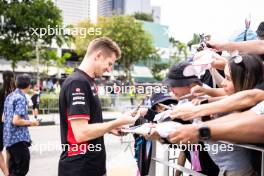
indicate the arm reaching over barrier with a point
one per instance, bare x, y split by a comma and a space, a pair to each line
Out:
252, 46
237, 101
245, 127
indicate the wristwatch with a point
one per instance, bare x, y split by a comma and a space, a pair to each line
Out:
204, 132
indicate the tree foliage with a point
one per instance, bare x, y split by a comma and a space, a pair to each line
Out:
143, 16
22, 22
157, 67
50, 57
195, 40
180, 50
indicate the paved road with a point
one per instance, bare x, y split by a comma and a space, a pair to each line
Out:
45, 151
45, 155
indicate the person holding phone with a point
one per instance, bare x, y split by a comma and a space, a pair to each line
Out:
16, 134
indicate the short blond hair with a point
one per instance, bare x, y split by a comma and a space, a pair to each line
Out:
107, 45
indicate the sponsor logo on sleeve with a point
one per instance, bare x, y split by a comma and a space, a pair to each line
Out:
78, 103
78, 97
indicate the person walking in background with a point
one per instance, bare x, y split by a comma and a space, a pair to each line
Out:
8, 87
16, 135
35, 101
57, 87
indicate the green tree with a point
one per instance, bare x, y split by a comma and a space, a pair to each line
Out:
135, 43
26, 23
181, 50
50, 58
157, 67
195, 40
143, 16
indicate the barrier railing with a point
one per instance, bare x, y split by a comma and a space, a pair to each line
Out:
253, 147
165, 162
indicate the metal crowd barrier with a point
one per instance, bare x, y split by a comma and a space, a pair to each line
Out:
167, 164
252, 147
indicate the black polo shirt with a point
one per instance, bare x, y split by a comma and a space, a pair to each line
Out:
79, 99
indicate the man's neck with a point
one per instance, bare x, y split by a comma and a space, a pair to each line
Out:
25, 91
87, 67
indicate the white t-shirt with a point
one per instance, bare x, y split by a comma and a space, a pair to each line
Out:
30, 103
259, 108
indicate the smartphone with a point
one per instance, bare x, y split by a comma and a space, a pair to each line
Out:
39, 120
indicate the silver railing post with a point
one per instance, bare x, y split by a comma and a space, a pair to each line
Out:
165, 167
152, 167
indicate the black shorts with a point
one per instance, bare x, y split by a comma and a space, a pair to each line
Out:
79, 165
1, 136
35, 106
19, 159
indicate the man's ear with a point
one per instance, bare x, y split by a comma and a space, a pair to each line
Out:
98, 54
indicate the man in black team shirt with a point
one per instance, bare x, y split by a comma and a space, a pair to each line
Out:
81, 122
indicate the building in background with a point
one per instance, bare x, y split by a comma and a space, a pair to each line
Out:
160, 37
108, 8
105, 7
74, 11
118, 7
133, 6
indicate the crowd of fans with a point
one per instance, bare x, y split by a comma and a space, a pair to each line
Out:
229, 107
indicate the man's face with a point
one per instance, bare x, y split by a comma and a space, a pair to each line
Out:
180, 91
104, 63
